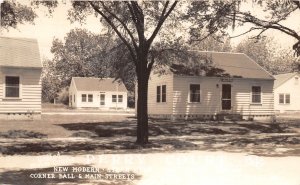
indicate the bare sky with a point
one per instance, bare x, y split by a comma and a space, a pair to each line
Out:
47, 28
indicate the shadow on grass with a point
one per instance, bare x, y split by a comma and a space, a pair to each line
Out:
263, 145
128, 128
23, 177
119, 137
21, 134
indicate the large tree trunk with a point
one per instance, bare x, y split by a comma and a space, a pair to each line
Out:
142, 106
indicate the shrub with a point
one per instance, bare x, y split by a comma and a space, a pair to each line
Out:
63, 96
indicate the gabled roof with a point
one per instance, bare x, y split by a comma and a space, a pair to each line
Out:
98, 84
236, 65
19, 52
282, 78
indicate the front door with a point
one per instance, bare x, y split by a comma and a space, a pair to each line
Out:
226, 96
102, 100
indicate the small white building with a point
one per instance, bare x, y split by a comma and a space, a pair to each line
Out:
287, 92
20, 79
106, 93
244, 89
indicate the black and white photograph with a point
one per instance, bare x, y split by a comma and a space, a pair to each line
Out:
150, 92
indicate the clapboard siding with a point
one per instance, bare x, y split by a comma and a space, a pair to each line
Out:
30, 97
210, 96
291, 87
160, 107
242, 97
74, 92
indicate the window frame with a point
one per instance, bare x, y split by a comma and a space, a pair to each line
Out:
190, 93
158, 94
256, 94
286, 99
284, 95
281, 97
163, 94
161, 97
82, 96
90, 96
112, 98
120, 95
5, 86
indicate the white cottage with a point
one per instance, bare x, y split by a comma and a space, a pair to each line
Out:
20, 83
287, 92
244, 89
85, 92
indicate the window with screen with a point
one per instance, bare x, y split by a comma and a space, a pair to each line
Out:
194, 92
120, 98
284, 98
158, 94
163, 93
83, 98
114, 98
12, 86
90, 98
281, 98
256, 94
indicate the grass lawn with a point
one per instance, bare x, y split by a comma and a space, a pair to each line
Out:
193, 150
52, 125
94, 133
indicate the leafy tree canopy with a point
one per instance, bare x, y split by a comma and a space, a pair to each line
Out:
85, 54
275, 14
267, 54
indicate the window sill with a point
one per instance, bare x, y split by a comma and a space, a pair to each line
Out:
12, 99
256, 104
284, 104
194, 102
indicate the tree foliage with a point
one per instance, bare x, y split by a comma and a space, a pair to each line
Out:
81, 54
276, 13
14, 13
140, 27
85, 54
266, 53
50, 83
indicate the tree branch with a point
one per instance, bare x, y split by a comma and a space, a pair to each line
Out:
122, 23
140, 27
262, 24
116, 30
150, 65
133, 16
244, 33
162, 19
203, 38
297, 3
